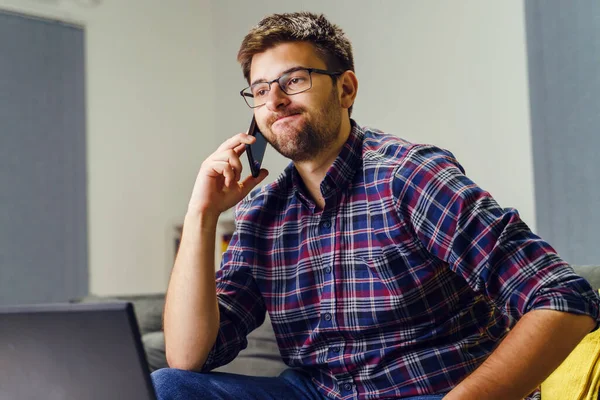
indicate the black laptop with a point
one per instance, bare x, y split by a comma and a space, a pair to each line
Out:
72, 351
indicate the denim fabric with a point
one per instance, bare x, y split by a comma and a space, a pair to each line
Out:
175, 384
291, 384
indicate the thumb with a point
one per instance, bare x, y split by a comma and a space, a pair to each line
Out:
251, 182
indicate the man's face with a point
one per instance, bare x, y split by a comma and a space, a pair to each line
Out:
302, 125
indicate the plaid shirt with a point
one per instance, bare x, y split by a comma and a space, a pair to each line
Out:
401, 286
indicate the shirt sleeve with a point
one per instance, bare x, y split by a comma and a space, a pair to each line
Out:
490, 247
241, 307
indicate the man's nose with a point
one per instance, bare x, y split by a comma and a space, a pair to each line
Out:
277, 98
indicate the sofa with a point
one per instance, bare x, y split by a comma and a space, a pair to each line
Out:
260, 358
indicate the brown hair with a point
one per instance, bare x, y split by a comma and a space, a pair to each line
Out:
329, 40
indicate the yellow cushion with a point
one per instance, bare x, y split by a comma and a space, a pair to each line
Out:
578, 377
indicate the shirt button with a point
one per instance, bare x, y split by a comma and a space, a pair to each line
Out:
327, 316
335, 349
328, 269
347, 386
326, 224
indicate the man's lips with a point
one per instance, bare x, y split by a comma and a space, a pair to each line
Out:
285, 117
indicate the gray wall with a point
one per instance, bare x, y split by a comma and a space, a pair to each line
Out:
563, 40
43, 230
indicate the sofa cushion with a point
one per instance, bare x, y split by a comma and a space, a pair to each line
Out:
261, 357
154, 347
591, 273
148, 308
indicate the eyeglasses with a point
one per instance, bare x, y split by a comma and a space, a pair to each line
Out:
292, 82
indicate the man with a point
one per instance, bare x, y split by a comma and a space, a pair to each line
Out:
386, 272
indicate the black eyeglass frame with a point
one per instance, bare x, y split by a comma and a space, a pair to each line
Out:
245, 94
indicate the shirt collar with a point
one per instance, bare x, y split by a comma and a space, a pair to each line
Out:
342, 171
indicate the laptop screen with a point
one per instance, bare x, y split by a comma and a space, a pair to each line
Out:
72, 351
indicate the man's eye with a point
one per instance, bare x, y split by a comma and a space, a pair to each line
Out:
260, 93
295, 80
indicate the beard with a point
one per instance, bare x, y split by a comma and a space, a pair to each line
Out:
314, 136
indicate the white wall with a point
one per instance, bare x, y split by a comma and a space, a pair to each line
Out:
150, 124
451, 73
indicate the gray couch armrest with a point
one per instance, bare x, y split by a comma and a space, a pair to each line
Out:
591, 273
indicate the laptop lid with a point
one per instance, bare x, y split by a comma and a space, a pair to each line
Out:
72, 351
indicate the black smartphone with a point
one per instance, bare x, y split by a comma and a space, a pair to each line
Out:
256, 150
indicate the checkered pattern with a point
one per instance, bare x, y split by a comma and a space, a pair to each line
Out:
401, 286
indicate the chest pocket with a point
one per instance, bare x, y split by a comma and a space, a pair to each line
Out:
399, 281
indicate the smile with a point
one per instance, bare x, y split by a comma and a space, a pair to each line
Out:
287, 118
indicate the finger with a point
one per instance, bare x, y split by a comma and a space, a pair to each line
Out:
235, 141
250, 182
240, 149
217, 166
229, 175
224, 155
220, 167
231, 157
236, 164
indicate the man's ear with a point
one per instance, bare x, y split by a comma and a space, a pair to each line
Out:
348, 88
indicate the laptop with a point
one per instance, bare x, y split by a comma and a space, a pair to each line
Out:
72, 351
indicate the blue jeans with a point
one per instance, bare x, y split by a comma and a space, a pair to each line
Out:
292, 384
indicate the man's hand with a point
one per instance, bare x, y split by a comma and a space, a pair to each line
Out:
191, 317
217, 186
